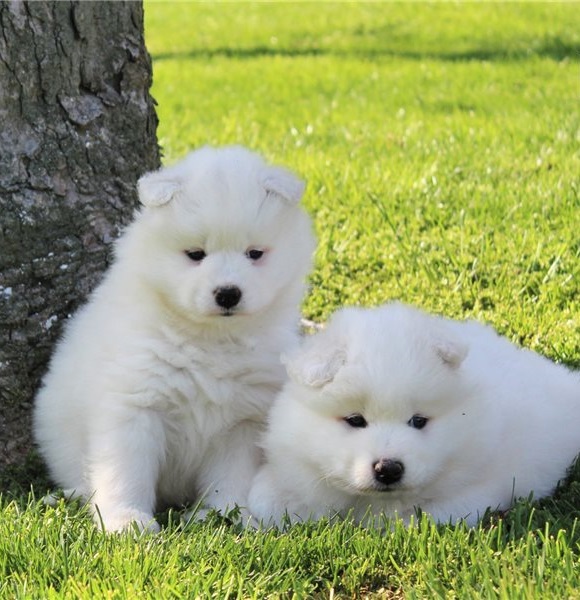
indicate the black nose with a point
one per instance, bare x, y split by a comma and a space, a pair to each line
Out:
227, 297
388, 471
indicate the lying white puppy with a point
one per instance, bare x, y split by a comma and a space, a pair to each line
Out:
391, 409
158, 390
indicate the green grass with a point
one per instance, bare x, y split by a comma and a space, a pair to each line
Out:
58, 553
441, 145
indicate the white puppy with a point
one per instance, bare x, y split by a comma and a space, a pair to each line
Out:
159, 388
391, 409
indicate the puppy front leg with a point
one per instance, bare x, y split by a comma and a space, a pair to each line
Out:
125, 458
265, 502
230, 464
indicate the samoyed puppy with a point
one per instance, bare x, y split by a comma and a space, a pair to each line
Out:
390, 409
159, 388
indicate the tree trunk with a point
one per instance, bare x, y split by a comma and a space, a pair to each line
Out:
77, 129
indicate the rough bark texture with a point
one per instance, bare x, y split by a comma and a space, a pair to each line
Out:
77, 129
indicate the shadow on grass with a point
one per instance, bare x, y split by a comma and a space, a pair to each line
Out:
17, 480
554, 48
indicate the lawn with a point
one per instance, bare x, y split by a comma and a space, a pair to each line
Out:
441, 147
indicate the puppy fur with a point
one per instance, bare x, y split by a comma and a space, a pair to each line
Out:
158, 390
445, 416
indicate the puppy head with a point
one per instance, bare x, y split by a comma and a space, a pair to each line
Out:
384, 399
221, 234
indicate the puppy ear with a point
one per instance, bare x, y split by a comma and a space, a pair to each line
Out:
282, 182
451, 352
157, 188
315, 366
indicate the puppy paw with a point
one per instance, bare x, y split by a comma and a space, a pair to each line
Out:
54, 498
197, 515
127, 520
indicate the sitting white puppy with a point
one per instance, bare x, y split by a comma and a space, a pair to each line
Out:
161, 383
390, 409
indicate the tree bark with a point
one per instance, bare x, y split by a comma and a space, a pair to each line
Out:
77, 129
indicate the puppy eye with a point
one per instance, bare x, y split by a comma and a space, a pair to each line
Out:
417, 421
196, 255
254, 253
356, 420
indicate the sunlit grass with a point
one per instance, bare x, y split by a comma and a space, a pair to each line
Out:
439, 142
